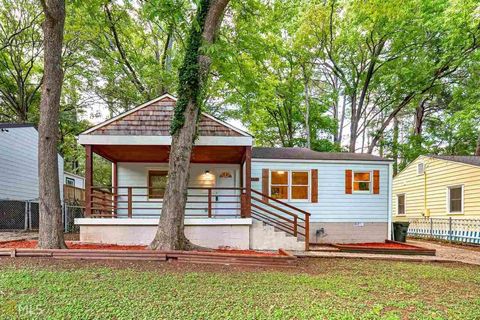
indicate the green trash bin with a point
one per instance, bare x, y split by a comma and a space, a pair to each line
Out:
400, 230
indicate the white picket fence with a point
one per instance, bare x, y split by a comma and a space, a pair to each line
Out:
459, 230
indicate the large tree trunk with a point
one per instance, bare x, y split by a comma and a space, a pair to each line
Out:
193, 75
51, 229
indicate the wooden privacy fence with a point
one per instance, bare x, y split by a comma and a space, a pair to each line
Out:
73, 194
451, 229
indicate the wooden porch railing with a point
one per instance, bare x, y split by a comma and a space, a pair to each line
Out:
129, 202
203, 202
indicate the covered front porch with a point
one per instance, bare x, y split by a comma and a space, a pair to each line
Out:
219, 184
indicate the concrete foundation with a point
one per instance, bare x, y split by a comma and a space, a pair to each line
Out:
210, 233
348, 232
234, 233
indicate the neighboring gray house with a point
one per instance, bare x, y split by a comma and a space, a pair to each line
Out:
19, 163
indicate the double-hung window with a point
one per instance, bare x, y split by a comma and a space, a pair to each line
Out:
291, 185
362, 181
400, 204
455, 199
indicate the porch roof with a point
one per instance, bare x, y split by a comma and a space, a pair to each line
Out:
157, 153
149, 124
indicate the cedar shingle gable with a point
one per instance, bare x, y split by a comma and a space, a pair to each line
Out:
154, 120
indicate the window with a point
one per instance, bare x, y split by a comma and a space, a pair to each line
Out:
157, 181
455, 199
362, 181
279, 185
290, 185
400, 204
70, 181
420, 168
299, 185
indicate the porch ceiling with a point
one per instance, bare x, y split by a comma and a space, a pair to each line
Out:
140, 153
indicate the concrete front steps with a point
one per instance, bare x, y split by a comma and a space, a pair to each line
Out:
266, 237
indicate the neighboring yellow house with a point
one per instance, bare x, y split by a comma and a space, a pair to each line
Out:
438, 187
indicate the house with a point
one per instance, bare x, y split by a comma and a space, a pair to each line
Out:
74, 180
19, 162
19, 193
438, 187
73, 188
239, 196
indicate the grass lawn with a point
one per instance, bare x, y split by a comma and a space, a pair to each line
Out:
318, 289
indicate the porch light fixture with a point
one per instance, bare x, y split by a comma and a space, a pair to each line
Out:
280, 172
208, 175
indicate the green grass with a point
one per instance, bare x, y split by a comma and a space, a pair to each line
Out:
320, 289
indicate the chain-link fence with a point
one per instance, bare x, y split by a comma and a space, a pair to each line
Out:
24, 215
70, 212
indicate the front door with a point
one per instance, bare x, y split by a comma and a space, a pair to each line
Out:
226, 200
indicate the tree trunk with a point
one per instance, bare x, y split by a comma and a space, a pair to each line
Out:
386, 122
353, 124
419, 117
193, 75
477, 151
395, 146
307, 107
342, 121
50, 229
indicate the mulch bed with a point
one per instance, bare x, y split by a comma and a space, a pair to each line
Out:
387, 247
32, 244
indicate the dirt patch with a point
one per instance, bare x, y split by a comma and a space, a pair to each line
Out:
250, 252
388, 245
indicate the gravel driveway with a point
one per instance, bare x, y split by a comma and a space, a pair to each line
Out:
449, 252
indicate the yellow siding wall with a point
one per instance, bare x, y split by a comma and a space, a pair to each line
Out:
439, 175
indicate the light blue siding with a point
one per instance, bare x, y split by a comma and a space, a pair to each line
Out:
135, 174
334, 205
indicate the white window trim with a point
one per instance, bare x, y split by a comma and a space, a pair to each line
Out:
404, 204
371, 182
448, 198
423, 166
289, 185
